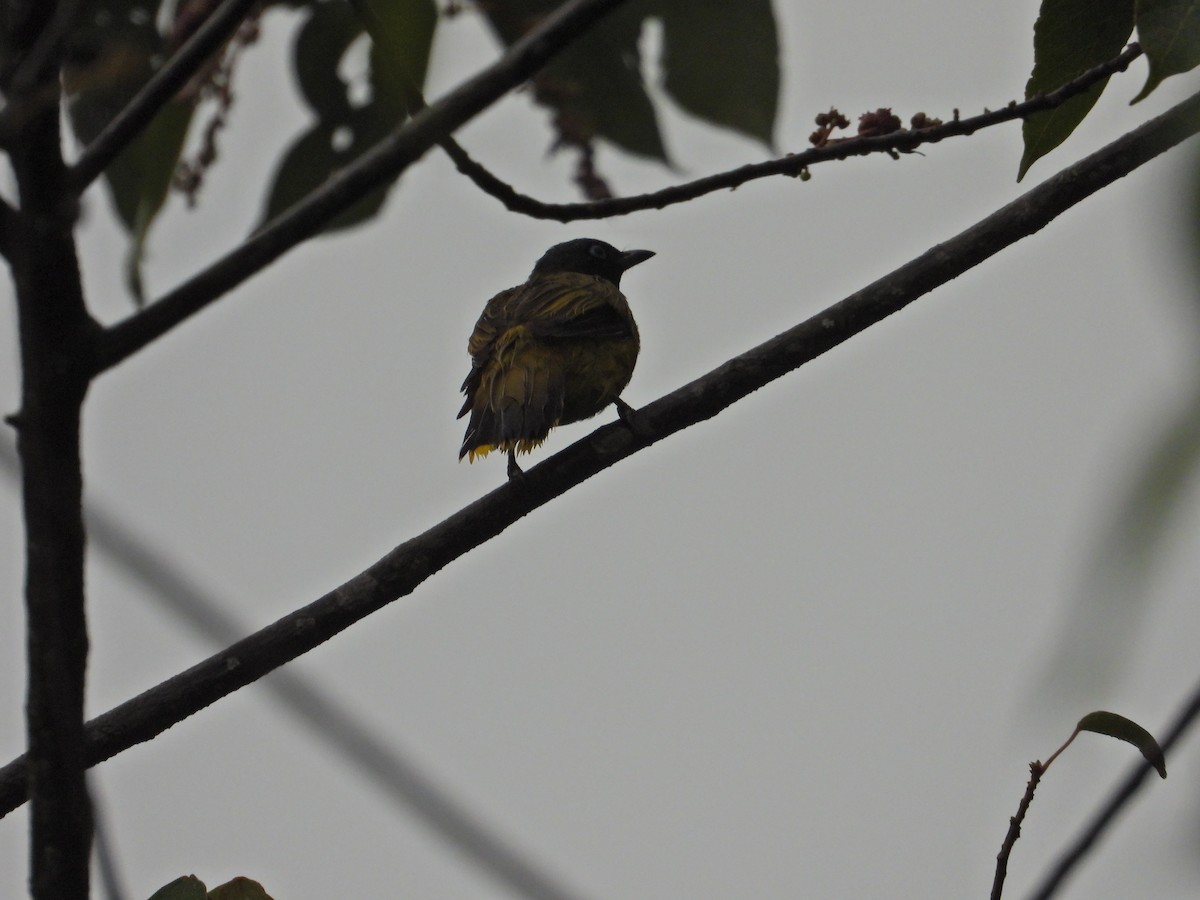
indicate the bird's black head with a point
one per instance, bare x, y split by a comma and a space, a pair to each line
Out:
590, 257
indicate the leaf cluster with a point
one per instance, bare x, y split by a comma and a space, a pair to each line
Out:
596, 90
189, 887
1073, 36
718, 62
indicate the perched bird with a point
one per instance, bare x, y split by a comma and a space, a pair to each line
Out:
556, 349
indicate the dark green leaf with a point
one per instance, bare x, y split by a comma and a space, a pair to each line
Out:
595, 85
321, 42
316, 155
401, 38
1169, 32
110, 39
186, 887
401, 35
142, 175
1070, 37
112, 56
1126, 730
721, 62
240, 888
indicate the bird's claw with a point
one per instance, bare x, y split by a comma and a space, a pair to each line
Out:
515, 472
629, 416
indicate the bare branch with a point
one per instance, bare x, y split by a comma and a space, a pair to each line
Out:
400, 572
56, 342
158, 91
1036, 770
380, 164
793, 164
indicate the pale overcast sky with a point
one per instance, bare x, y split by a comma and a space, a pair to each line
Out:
805, 649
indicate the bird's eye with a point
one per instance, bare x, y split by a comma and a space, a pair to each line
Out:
597, 251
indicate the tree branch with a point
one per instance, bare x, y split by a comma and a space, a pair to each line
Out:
158, 91
400, 572
383, 162
1036, 770
793, 164
1120, 798
56, 337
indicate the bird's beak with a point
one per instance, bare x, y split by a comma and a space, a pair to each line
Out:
631, 258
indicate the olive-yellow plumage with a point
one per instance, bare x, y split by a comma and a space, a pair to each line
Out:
559, 348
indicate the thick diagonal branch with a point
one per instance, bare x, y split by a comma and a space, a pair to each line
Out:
403, 569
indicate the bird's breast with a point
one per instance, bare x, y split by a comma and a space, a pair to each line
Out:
594, 374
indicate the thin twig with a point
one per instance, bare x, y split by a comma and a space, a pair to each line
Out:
1074, 854
382, 163
791, 165
402, 570
1014, 830
1036, 770
158, 91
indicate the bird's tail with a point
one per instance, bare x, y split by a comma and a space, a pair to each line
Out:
514, 399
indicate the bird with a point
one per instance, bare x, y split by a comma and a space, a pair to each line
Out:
557, 349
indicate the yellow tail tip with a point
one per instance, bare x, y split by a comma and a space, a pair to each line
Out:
481, 451
524, 445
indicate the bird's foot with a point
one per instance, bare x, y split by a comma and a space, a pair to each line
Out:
629, 416
515, 473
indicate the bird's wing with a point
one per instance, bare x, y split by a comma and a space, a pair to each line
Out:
493, 321
514, 397
565, 305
